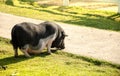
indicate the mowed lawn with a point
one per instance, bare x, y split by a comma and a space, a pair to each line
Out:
57, 64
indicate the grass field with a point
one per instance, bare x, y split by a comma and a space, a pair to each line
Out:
71, 15
57, 64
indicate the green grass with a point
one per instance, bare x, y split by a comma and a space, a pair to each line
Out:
71, 15
58, 64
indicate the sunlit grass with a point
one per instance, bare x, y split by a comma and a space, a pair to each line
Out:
57, 64
72, 15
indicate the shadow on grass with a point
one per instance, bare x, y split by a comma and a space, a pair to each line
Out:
44, 54
86, 19
89, 20
115, 16
89, 59
96, 21
20, 58
11, 59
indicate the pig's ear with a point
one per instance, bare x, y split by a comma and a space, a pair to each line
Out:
66, 35
63, 33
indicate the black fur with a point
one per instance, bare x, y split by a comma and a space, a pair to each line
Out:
29, 33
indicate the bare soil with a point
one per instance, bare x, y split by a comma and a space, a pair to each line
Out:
86, 41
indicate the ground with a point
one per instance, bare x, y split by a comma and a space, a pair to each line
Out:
86, 41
